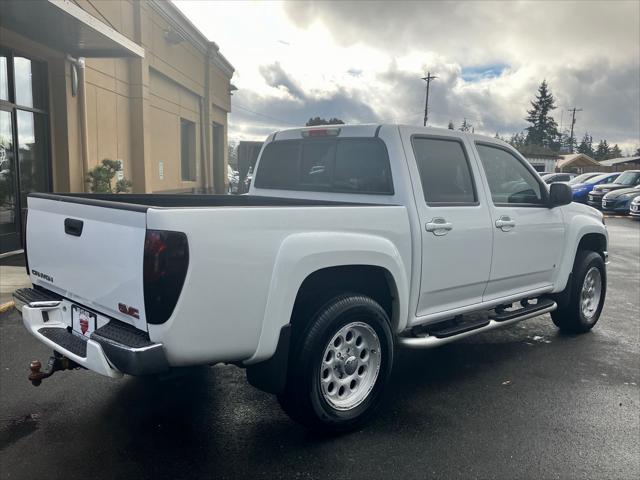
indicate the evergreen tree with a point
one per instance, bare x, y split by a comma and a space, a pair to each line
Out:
465, 126
615, 152
637, 154
603, 150
451, 126
586, 145
544, 129
321, 121
517, 140
567, 145
101, 176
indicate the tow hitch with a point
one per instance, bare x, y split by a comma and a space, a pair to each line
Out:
55, 363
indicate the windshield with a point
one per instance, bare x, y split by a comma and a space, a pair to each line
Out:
582, 178
629, 178
600, 178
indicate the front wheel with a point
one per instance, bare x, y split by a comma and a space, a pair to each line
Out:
586, 296
339, 365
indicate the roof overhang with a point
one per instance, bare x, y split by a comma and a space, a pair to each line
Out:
64, 26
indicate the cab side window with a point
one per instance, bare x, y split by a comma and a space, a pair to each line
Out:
510, 181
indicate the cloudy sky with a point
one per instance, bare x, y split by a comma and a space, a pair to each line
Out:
362, 62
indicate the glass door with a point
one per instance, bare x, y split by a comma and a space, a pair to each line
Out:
25, 160
9, 212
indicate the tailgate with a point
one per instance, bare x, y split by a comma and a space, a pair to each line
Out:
89, 254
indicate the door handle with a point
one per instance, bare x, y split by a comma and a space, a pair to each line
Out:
438, 226
505, 223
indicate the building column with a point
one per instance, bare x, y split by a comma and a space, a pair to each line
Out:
141, 168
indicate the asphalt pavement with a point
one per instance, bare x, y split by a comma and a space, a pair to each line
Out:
522, 402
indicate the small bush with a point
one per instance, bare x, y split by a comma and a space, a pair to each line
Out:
101, 176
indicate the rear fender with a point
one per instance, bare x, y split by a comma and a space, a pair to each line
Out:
302, 254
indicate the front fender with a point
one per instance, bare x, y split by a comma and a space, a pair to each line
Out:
582, 220
302, 254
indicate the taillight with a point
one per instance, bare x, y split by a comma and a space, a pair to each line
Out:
166, 259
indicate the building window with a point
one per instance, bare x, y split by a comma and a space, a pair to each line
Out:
187, 150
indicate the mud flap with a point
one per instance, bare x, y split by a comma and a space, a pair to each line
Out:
271, 375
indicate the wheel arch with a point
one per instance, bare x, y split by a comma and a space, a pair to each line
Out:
371, 280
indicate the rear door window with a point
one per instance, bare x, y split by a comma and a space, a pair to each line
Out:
341, 165
445, 172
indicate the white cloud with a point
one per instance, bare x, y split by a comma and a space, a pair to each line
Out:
362, 61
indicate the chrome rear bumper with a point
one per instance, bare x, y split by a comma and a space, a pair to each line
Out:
112, 349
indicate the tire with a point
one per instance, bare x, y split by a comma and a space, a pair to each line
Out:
318, 360
572, 317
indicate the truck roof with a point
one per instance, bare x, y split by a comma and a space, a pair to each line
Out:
369, 130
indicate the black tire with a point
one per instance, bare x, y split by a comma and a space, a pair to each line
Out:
569, 318
303, 399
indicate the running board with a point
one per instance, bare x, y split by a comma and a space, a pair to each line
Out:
504, 315
431, 341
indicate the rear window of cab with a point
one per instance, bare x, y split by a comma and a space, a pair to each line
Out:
341, 165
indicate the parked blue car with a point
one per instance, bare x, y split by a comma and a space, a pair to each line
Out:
581, 190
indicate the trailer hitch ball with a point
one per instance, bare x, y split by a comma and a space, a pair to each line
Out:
55, 363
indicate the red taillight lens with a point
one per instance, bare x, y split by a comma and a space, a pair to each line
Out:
320, 132
166, 259
154, 260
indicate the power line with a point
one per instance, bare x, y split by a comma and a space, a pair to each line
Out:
265, 115
427, 79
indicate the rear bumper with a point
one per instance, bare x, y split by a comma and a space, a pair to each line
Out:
112, 350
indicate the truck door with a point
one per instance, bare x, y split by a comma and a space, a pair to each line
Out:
528, 236
455, 222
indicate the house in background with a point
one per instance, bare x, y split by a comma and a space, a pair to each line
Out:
542, 162
622, 163
577, 163
574, 162
84, 81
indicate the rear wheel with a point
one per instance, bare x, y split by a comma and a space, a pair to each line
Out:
339, 365
586, 296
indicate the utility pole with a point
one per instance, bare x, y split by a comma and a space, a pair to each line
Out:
573, 122
427, 79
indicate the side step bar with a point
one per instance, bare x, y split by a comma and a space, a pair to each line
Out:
495, 321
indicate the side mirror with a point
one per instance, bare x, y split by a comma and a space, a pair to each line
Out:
560, 194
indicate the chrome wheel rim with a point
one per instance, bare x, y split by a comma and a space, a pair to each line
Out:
350, 366
591, 293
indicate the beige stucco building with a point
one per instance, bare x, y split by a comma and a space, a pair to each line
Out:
82, 81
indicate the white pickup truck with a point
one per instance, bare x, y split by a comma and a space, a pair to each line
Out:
353, 240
